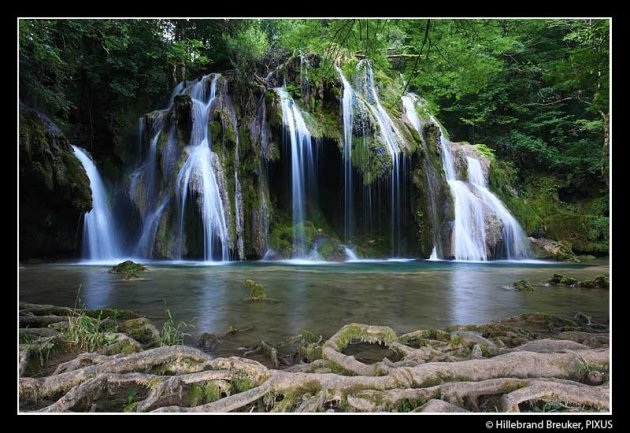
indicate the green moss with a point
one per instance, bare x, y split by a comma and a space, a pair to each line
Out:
195, 395
338, 369
198, 394
559, 279
370, 157
215, 130
409, 404
354, 332
485, 152
523, 286
537, 207
129, 269
240, 382
599, 282
292, 398
457, 340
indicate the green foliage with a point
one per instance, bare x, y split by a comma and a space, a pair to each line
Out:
256, 290
535, 92
43, 347
240, 382
172, 332
198, 394
485, 151
88, 333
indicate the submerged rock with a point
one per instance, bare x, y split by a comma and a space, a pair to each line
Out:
559, 279
523, 286
599, 282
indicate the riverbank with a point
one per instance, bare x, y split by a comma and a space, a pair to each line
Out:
112, 360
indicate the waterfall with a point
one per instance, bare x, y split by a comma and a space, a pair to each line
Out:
434, 256
469, 233
515, 242
430, 173
346, 104
350, 255
393, 141
100, 237
473, 201
301, 162
149, 228
197, 175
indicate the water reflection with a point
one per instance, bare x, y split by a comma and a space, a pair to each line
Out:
95, 288
405, 296
469, 292
211, 307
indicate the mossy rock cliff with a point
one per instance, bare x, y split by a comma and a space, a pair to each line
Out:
54, 189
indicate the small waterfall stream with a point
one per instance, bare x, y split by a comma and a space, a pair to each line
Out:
515, 241
301, 164
198, 175
100, 234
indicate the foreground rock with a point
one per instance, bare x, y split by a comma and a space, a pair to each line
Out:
556, 250
520, 363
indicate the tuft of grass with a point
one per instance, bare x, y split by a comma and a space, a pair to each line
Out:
88, 333
256, 290
42, 347
240, 382
172, 332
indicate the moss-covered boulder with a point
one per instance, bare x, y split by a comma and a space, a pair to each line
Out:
129, 269
523, 286
556, 250
599, 282
561, 280
141, 330
54, 189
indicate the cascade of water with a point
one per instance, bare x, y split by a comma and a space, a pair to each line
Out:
472, 198
176, 91
350, 254
393, 140
469, 234
301, 161
151, 163
197, 175
100, 237
409, 108
346, 104
514, 238
434, 255
149, 228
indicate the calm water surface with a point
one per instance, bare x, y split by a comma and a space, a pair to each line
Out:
321, 298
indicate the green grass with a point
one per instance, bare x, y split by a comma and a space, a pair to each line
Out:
172, 332
88, 333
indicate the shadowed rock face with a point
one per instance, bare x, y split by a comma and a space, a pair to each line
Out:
54, 189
